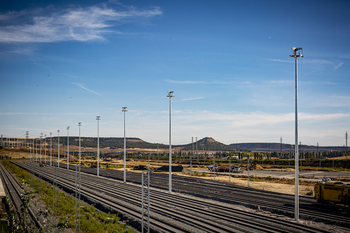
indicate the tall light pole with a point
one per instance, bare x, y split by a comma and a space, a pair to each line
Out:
124, 110
79, 124
67, 147
296, 53
98, 145
58, 147
45, 149
170, 94
50, 148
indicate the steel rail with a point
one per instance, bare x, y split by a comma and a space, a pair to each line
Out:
294, 226
13, 189
238, 194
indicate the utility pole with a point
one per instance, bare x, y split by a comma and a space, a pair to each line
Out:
124, 111
197, 151
98, 145
346, 144
45, 148
296, 53
41, 138
281, 147
191, 159
301, 160
50, 148
67, 147
58, 148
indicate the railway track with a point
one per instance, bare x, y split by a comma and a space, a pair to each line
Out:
229, 193
169, 212
14, 191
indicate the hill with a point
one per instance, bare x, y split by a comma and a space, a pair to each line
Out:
208, 143
111, 142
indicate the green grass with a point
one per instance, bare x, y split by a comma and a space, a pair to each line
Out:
92, 220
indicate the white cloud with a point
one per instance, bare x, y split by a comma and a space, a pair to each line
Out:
186, 82
195, 98
11, 113
82, 86
317, 63
333, 101
79, 24
279, 60
153, 126
339, 65
229, 127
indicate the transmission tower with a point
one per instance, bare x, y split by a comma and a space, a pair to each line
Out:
27, 136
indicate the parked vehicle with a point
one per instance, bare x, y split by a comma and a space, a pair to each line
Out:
237, 169
332, 193
325, 179
213, 167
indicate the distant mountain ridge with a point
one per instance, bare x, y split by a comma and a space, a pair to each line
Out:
265, 146
207, 143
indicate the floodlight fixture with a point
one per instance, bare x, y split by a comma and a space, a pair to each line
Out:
170, 94
297, 52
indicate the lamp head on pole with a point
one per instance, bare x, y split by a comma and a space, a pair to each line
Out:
67, 127
297, 52
98, 118
170, 94
79, 123
124, 109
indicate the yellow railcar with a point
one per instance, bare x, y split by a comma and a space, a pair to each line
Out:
333, 192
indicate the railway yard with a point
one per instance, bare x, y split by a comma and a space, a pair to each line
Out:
196, 204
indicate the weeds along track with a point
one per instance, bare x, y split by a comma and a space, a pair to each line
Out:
14, 191
229, 193
169, 212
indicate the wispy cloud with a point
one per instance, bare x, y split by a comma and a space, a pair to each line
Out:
229, 127
279, 60
206, 82
11, 113
280, 82
195, 98
339, 65
82, 86
318, 63
73, 24
321, 64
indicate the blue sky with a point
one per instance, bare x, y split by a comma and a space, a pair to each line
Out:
226, 61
